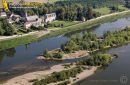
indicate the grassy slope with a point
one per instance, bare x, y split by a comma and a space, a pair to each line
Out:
106, 10
65, 23
17, 41
122, 7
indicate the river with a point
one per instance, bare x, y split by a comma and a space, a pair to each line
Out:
22, 59
117, 73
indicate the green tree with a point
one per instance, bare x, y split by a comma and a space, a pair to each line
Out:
46, 54
71, 46
89, 13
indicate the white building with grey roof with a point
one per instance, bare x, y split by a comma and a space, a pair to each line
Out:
50, 17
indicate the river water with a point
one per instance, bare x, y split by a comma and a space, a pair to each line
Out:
117, 73
23, 58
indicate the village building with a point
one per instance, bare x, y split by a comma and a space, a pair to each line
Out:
50, 17
33, 21
14, 18
38, 21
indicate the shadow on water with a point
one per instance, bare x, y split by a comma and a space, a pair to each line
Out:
7, 53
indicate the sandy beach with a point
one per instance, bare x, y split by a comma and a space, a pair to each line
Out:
76, 54
26, 78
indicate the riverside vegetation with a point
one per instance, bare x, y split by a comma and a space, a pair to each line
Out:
91, 42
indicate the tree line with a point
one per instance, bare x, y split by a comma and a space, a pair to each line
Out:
91, 42
72, 9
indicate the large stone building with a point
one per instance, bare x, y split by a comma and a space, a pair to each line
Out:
33, 20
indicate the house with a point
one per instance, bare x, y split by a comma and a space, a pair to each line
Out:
14, 18
33, 21
38, 21
50, 17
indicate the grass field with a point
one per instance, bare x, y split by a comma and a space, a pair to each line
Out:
122, 7
103, 11
107, 10
64, 23
17, 41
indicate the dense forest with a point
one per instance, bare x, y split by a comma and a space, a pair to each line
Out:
73, 9
95, 3
76, 9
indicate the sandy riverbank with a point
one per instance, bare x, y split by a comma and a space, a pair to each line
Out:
86, 73
76, 54
24, 79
